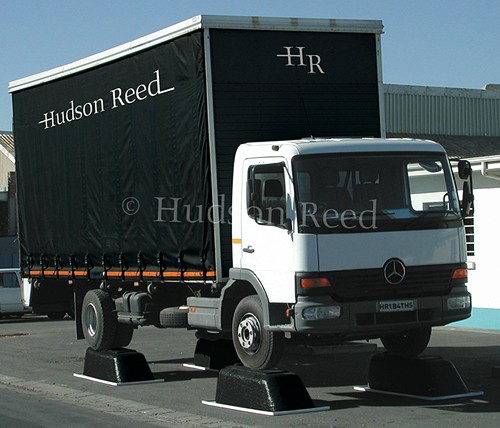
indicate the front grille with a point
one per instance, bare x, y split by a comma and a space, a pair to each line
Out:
370, 284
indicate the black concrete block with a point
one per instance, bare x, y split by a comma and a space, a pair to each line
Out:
427, 376
117, 365
215, 354
266, 390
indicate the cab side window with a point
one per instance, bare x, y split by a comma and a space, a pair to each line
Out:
266, 195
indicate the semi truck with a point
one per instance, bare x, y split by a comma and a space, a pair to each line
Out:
231, 175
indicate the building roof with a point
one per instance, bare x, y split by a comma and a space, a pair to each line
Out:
459, 146
7, 145
442, 111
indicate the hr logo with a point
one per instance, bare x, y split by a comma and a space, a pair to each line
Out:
296, 57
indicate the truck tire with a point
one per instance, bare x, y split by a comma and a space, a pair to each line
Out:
256, 347
99, 321
175, 317
408, 344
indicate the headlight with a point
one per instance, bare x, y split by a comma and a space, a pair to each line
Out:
462, 302
321, 312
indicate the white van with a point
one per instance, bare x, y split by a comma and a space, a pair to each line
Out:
10, 292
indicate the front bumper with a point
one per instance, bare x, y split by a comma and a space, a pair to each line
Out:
364, 319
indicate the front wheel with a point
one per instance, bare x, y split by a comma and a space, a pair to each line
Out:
256, 347
407, 344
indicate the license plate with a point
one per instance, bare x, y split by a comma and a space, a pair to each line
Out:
397, 306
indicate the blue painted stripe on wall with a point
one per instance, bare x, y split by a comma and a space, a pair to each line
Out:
482, 318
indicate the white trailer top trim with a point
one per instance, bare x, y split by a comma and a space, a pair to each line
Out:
193, 24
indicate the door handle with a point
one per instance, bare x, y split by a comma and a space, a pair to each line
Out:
248, 249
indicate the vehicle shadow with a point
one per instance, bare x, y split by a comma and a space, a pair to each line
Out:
339, 368
28, 318
349, 369
183, 375
173, 361
18, 319
474, 365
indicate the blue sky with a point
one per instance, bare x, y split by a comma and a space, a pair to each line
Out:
454, 43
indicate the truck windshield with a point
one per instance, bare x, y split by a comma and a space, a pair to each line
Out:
338, 193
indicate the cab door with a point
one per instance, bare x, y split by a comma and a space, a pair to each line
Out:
266, 228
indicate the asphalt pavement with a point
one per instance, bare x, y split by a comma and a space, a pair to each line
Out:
38, 358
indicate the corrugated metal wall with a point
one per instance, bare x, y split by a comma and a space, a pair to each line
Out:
442, 111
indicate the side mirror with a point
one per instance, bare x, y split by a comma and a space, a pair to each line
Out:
464, 169
467, 201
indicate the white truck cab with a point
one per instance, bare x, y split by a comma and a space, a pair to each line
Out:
351, 238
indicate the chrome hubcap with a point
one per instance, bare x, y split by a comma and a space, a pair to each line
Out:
249, 333
91, 320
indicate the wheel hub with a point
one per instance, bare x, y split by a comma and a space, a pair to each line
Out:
249, 334
91, 320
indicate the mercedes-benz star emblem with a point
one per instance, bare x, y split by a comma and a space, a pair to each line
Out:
394, 271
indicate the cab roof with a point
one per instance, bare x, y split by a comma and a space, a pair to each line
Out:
347, 145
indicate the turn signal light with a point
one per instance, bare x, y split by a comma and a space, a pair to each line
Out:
460, 273
314, 282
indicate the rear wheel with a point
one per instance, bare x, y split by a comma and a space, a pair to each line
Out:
407, 344
256, 347
100, 325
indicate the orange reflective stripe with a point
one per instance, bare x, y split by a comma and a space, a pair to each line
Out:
55, 273
168, 274
115, 274
80, 273
134, 274
65, 272
149, 274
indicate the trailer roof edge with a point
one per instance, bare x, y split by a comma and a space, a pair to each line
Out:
193, 24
